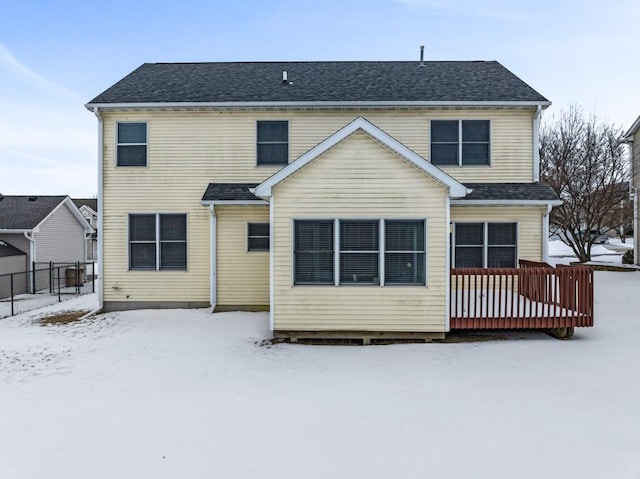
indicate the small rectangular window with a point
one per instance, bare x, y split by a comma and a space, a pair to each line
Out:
313, 252
142, 241
501, 249
359, 252
405, 249
485, 245
460, 142
258, 236
158, 241
273, 143
131, 144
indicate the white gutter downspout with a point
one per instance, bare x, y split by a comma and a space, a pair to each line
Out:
100, 277
536, 146
545, 234
447, 261
636, 256
32, 256
213, 294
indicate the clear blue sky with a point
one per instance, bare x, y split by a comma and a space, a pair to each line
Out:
56, 55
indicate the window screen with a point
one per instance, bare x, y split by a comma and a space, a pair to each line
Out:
359, 252
132, 144
313, 252
258, 236
273, 143
404, 252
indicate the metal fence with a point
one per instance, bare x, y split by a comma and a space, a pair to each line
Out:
43, 285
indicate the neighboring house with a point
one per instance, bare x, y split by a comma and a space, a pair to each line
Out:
46, 228
337, 195
632, 138
12, 260
89, 209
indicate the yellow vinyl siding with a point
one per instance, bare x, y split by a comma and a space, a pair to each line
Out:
120, 284
243, 276
529, 221
187, 150
359, 178
222, 144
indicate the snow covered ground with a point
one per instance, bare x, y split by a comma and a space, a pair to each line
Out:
183, 393
560, 253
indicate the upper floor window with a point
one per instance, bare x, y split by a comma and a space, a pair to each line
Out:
158, 241
485, 245
460, 142
258, 236
131, 144
273, 143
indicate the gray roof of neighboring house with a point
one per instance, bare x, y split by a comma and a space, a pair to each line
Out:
26, 212
481, 191
90, 202
7, 249
510, 191
230, 192
337, 81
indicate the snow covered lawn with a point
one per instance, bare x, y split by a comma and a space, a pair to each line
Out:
186, 394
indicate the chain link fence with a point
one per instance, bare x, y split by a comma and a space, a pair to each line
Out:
44, 284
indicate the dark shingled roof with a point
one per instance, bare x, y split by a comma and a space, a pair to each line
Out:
90, 202
510, 191
371, 81
230, 192
9, 250
481, 191
26, 212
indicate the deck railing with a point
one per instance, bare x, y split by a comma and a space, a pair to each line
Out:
536, 295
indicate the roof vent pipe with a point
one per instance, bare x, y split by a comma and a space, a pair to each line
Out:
285, 80
421, 64
1, 197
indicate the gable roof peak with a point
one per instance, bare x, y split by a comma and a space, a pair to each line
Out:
456, 189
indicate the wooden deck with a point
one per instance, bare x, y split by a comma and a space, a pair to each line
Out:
535, 295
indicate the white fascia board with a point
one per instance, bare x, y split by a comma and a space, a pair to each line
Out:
233, 202
456, 189
628, 136
321, 104
505, 202
74, 210
13, 231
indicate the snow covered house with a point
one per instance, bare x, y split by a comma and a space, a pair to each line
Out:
347, 198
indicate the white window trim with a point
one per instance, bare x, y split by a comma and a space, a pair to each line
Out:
381, 252
247, 236
146, 143
157, 242
279, 165
485, 241
460, 120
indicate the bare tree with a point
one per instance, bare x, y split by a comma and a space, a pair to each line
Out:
584, 162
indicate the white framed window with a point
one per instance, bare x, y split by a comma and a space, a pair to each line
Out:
131, 144
257, 236
485, 245
272, 143
357, 251
460, 142
158, 241
405, 252
313, 252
